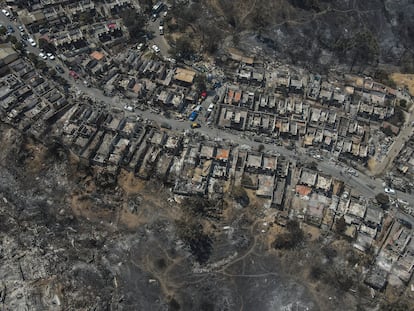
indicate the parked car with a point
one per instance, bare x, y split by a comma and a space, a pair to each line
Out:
405, 223
155, 48
389, 190
140, 46
193, 116
10, 29
42, 55
51, 56
195, 125
31, 41
210, 107
21, 29
161, 30
166, 125
5, 12
59, 69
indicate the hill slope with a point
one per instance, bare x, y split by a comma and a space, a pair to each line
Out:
325, 32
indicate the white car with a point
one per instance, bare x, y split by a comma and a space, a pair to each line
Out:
21, 29
389, 190
210, 107
31, 41
50, 55
155, 48
42, 55
5, 12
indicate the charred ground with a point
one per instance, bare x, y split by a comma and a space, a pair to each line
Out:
312, 33
69, 242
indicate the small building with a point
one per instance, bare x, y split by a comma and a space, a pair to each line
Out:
184, 76
376, 278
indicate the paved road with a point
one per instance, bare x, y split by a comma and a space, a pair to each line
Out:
159, 40
365, 185
398, 144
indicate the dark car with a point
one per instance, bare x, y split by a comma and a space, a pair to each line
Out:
161, 22
405, 223
59, 69
10, 29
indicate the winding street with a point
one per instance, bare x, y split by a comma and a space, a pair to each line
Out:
363, 184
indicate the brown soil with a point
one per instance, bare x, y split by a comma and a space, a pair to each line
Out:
129, 183
404, 80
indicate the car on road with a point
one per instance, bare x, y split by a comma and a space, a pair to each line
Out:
353, 172
389, 190
129, 108
140, 46
51, 56
59, 69
161, 30
195, 125
21, 29
155, 48
10, 29
31, 41
5, 12
42, 55
193, 116
154, 17
166, 125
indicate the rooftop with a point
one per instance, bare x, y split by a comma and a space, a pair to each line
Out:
184, 75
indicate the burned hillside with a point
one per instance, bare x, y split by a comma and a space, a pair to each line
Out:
319, 33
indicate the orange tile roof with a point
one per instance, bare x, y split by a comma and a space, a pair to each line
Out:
237, 96
303, 190
222, 154
97, 55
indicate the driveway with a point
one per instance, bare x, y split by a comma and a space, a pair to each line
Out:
159, 40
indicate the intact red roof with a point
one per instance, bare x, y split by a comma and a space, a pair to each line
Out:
97, 55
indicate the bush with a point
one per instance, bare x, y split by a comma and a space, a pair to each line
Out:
382, 199
316, 272
290, 239
340, 225
192, 234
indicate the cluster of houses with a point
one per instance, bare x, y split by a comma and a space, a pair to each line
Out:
403, 170
340, 117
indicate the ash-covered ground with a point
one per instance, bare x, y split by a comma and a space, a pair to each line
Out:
70, 243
